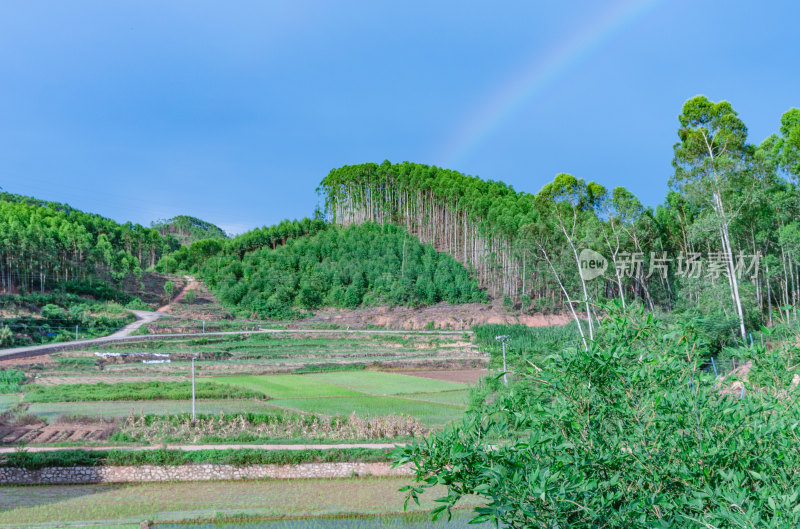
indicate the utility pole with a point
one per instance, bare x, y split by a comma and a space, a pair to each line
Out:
76, 333
193, 397
503, 339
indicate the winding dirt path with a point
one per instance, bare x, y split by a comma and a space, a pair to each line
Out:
191, 283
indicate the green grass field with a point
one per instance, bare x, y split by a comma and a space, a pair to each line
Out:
52, 410
73, 505
367, 393
7, 401
135, 391
373, 406
377, 383
456, 398
286, 386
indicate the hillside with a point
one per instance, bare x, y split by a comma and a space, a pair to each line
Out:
334, 266
186, 229
44, 244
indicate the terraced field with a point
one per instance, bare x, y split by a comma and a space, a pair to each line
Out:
262, 354
51, 411
80, 396
365, 393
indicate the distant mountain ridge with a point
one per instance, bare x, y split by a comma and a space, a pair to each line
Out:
186, 229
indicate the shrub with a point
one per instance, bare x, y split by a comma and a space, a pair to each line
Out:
629, 434
53, 312
11, 380
190, 296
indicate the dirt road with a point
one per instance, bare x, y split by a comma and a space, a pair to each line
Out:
142, 317
191, 284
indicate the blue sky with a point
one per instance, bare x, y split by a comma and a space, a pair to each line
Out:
234, 111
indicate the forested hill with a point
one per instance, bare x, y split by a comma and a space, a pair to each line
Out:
187, 230
725, 244
45, 243
327, 266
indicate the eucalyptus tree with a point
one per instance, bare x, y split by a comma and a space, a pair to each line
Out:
537, 235
790, 142
708, 161
567, 201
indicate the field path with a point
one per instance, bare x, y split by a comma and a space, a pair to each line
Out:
193, 448
35, 350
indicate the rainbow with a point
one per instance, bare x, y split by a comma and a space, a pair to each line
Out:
538, 74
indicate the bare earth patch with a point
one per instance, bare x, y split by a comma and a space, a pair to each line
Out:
27, 361
440, 316
57, 432
106, 379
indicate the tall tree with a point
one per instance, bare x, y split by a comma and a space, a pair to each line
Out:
708, 157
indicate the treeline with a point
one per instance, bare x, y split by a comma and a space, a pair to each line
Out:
725, 243
338, 267
186, 229
45, 243
191, 258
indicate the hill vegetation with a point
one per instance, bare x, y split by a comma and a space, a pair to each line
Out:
723, 246
43, 244
722, 249
633, 433
186, 229
308, 264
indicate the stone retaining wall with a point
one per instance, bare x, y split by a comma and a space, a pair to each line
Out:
201, 472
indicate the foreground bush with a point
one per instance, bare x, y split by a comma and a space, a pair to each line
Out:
252, 427
629, 434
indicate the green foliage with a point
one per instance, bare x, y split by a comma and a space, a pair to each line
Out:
98, 290
190, 259
11, 380
54, 312
190, 296
164, 457
59, 314
525, 344
44, 243
340, 267
137, 304
169, 288
136, 391
6, 335
629, 434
